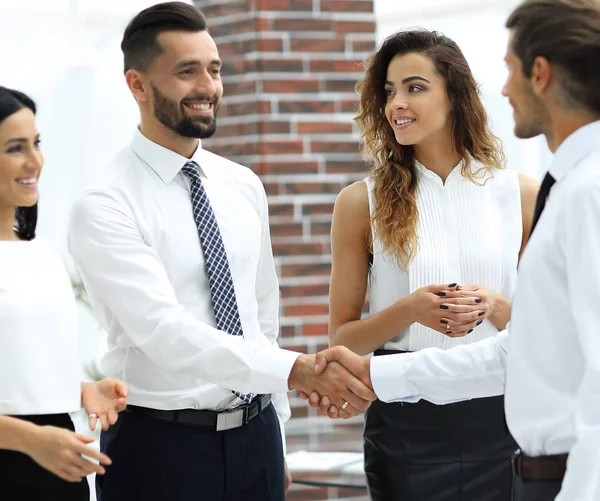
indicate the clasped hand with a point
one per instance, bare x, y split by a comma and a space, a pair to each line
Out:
453, 310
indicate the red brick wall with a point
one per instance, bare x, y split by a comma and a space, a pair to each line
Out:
289, 72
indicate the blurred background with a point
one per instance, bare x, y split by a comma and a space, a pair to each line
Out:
290, 67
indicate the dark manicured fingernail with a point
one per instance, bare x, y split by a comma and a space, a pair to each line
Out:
441, 294
448, 332
470, 331
452, 285
444, 306
479, 322
477, 300
443, 321
481, 313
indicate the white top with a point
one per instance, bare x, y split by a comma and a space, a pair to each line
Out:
553, 364
467, 234
39, 363
133, 236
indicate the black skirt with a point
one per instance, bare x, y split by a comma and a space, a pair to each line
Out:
427, 452
22, 479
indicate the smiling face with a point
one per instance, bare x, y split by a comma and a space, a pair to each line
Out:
20, 160
417, 106
184, 81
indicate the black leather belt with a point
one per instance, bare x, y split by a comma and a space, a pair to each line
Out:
218, 420
541, 467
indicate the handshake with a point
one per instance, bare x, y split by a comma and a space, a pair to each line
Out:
336, 380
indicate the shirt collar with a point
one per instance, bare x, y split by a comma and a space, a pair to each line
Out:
426, 175
455, 175
574, 148
166, 163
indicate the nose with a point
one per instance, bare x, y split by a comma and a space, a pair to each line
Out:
504, 91
399, 103
34, 161
205, 83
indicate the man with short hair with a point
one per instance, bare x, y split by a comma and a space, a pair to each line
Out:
549, 366
173, 246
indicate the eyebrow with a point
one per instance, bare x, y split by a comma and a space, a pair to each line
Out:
19, 140
409, 79
195, 62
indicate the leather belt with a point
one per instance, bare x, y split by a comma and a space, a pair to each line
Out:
218, 420
541, 467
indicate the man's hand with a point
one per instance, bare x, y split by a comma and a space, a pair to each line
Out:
324, 375
104, 400
359, 366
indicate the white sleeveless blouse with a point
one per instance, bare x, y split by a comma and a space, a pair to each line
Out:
467, 233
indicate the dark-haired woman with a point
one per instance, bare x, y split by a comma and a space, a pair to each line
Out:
41, 457
435, 230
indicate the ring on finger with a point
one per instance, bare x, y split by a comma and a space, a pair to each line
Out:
344, 405
93, 415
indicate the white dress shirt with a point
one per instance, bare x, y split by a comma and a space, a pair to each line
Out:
133, 236
549, 365
453, 246
39, 362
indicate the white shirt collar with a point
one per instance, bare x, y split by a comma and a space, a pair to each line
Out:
164, 162
574, 148
455, 175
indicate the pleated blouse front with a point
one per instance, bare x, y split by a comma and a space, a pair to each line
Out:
468, 233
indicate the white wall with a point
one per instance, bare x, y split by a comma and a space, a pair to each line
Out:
477, 26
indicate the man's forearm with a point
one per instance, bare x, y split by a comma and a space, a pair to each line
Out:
443, 376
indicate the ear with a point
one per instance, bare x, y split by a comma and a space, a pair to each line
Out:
137, 85
541, 75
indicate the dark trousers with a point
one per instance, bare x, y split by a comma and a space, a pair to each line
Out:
156, 461
427, 452
541, 490
22, 479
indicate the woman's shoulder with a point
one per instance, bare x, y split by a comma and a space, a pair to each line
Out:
354, 194
353, 200
528, 185
504, 179
38, 252
513, 180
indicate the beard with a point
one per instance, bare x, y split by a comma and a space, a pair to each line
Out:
527, 131
538, 117
172, 116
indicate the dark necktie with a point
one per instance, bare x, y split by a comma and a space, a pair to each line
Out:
222, 291
541, 198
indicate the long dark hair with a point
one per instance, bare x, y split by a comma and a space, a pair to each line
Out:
393, 170
12, 101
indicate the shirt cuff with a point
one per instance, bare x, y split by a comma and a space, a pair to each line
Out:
275, 368
387, 378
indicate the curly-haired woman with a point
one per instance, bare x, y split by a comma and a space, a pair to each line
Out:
435, 231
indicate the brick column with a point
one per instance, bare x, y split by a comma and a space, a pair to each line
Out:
290, 67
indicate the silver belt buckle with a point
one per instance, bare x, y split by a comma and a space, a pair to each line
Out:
230, 420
